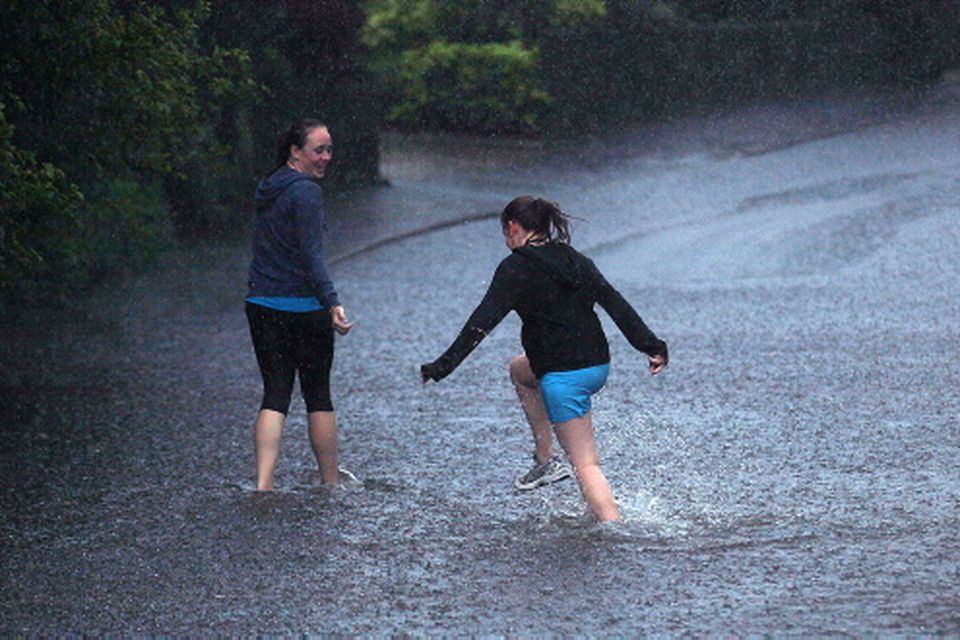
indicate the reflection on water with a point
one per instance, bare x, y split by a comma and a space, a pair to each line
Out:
792, 472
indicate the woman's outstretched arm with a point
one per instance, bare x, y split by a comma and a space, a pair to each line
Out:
496, 304
634, 329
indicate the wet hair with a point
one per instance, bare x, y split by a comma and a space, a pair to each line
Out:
541, 216
296, 134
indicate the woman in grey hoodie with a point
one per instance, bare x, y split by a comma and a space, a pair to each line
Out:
292, 306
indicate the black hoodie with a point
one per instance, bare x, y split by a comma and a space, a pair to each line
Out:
553, 288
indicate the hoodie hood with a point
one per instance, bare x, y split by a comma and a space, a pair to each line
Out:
559, 260
275, 184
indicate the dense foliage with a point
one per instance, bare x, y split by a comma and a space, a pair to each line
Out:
471, 65
595, 61
127, 124
39, 223
481, 87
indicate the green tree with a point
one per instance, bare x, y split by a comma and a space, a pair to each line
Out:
101, 89
127, 123
470, 87
110, 100
39, 224
604, 60
469, 65
307, 59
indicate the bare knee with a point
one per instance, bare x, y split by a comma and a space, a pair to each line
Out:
586, 464
520, 372
517, 363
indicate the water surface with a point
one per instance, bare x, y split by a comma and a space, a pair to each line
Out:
792, 472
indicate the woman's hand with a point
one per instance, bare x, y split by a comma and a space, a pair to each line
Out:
657, 363
338, 317
428, 372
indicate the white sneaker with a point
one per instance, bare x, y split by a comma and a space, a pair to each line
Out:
553, 470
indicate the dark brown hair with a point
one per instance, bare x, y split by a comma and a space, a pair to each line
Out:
296, 135
543, 217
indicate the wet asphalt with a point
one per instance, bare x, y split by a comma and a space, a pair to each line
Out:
794, 471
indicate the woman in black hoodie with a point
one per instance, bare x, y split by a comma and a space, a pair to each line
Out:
566, 358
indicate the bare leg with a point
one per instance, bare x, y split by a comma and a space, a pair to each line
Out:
266, 441
576, 438
528, 391
323, 438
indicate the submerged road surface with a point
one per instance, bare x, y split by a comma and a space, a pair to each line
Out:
793, 471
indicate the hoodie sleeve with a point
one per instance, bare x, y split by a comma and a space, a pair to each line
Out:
495, 305
309, 219
626, 318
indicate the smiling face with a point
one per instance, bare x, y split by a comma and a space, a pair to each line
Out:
312, 158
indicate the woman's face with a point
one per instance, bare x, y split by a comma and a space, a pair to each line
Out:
515, 235
313, 156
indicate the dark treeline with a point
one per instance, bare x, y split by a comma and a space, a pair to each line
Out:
695, 54
126, 125
531, 65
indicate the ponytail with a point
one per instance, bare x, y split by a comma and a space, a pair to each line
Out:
543, 217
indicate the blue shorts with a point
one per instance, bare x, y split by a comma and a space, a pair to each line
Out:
566, 394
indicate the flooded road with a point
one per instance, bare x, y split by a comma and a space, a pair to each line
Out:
793, 471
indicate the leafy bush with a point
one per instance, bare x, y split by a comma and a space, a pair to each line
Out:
54, 239
394, 25
127, 76
126, 225
39, 226
103, 106
608, 60
126, 121
481, 53
647, 60
470, 87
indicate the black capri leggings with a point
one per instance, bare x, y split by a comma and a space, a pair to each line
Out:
286, 343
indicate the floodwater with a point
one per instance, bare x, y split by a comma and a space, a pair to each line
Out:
794, 471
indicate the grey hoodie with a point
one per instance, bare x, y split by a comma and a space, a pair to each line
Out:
288, 231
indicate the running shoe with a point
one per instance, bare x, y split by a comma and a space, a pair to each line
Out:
347, 478
551, 471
